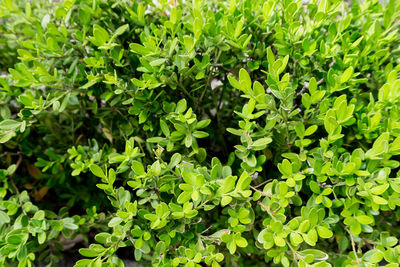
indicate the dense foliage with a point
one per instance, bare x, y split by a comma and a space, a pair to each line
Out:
204, 132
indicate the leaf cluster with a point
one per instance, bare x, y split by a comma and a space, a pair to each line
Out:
200, 133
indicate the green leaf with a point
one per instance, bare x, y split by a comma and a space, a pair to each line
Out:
100, 36
202, 124
317, 254
83, 263
189, 177
122, 29
310, 130
96, 170
245, 81
295, 239
270, 56
157, 62
346, 75
41, 237
364, 219
5, 137
138, 168
379, 200
312, 85
314, 186
155, 139
258, 91
87, 252
241, 242
184, 197
324, 232
228, 185
239, 27
9, 124
164, 128
188, 42
200, 134
235, 83
380, 146
69, 224
300, 129
285, 168
140, 49
4, 218
181, 106
243, 182
261, 143
304, 226
225, 200
114, 221
380, 189
376, 257
175, 160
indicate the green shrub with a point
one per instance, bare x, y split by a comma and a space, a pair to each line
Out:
200, 133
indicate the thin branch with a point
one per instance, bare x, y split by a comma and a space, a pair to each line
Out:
305, 87
353, 245
257, 186
130, 124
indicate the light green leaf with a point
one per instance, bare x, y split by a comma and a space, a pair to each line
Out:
346, 74
96, 170
9, 124
138, 168
379, 200
245, 81
364, 219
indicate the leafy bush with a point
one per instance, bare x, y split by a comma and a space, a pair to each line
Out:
184, 133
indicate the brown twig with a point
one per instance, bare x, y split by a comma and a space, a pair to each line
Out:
353, 245
257, 186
